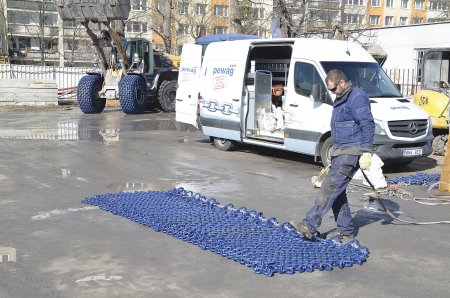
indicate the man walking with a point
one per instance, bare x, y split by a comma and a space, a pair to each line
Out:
352, 132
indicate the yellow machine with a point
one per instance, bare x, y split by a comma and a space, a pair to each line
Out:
434, 96
175, 60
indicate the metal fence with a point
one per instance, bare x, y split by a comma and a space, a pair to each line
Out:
67, 77
406, 78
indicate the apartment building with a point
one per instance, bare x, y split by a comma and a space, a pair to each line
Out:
386, 13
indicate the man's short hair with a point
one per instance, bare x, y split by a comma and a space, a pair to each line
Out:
335, 76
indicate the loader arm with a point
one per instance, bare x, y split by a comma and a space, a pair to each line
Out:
119, 46
99, 48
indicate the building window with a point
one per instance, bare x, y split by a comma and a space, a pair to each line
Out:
139, 4
30, 18
388, 21
389, 3
418, 4
403, 21
183, 29
437, 5
220, 30
374, 2
70, 24
417, 20
374, 20
159, 28
435, 20
200, 9
220, 10
258, 13
183, 7
355, 2
136, 27
353, 19
404, 4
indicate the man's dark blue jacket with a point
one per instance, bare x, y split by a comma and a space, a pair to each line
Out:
352, 124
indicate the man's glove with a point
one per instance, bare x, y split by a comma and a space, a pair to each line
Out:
365, 160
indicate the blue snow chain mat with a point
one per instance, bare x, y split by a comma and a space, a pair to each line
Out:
417, 179
236, 233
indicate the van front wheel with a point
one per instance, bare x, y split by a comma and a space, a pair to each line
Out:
224, 144
325, 155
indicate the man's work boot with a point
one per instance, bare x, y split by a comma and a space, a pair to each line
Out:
302, 229
340, 237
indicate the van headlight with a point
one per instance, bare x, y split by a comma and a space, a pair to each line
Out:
379, 127
431, 122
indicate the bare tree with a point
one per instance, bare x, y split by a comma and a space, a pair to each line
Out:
291, 14
250, 16
440, 10
163, 22
196, 15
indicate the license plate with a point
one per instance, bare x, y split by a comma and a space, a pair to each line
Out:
412, 152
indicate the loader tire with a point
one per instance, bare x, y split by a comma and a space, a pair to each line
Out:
167, 95
87, 94
133, 94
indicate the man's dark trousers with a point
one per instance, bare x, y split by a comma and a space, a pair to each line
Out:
333, 195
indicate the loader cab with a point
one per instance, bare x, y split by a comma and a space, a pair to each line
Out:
138, 51
436, 70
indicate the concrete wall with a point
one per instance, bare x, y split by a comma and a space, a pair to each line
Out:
28, 92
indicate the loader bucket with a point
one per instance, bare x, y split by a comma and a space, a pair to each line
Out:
96, 10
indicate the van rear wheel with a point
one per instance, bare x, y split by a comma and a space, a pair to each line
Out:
224, 144
325, 152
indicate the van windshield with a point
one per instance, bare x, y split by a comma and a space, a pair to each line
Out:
367, 76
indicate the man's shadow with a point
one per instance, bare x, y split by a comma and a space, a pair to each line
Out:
373, 212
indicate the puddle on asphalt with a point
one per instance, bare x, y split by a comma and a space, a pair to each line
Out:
66, 173
83, 130
62, 172
139, 186
7, 254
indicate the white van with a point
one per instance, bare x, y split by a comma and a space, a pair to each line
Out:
229, 92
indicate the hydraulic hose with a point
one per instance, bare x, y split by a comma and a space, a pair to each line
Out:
402, 220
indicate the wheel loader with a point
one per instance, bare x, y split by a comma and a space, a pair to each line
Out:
127, 66
434, 96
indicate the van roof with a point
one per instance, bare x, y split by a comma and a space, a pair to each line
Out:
314, 49
204, 40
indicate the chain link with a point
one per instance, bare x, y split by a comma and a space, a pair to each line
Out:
214, 106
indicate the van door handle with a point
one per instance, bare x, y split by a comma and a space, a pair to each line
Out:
293, 105
179, 99
235, 99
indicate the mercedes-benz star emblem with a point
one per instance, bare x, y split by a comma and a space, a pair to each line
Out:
413, 127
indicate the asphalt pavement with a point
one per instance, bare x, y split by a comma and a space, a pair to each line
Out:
52, 245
